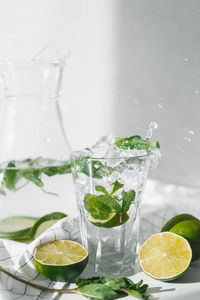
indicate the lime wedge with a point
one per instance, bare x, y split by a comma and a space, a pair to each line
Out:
113, 220
16, 226
45, 223
165, 256
61, 260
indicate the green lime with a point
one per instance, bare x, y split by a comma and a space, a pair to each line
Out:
46, 222
165, 256
16, 227
187, 226
61, 260
113, 220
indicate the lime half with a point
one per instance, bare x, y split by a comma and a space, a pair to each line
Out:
165, 256
113, 220
45, 223
15, 227
61, 260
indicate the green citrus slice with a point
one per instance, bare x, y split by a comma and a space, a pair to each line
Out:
16, 226
61, 260
45, 223
165, 256
113, 221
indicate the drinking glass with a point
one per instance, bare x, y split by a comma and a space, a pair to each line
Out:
108, 194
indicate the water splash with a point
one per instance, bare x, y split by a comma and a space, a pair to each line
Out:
152, 127
187, 139
191, 132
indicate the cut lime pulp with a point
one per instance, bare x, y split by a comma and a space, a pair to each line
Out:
114, 220
165, 256
61, 260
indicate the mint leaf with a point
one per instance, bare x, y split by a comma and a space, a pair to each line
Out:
117, 283
11, 176
89, 167
51, 171
81, 281
136, 142
32, 175
98, 209
127, 199
102, 189
111, 202
2, 192
97, 291
102, 288
117, 185
135, 294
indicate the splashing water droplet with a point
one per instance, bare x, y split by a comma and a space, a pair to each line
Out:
152, 126
191, 132
160, 106
47, 140
179, 148
187, 139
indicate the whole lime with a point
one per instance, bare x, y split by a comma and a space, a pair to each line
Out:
188, 227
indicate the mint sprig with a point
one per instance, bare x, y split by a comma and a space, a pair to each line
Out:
101, 206
136, 142
31, 173
96, 288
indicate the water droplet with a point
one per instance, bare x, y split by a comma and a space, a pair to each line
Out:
152, 126
187, 139
179, 148
160, 106
47, 140
136, 101
191, 132
186, 59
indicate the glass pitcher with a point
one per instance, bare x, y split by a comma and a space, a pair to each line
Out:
34, 150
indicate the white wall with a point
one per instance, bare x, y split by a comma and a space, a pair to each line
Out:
132, 62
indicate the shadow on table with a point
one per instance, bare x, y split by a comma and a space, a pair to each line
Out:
192, 275
159, 289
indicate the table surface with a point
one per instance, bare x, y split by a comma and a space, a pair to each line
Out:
170, 200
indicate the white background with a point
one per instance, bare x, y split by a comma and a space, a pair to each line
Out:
132, 62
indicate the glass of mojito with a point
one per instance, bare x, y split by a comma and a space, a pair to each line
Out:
109, 181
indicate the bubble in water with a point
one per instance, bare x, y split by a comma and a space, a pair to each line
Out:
152, 126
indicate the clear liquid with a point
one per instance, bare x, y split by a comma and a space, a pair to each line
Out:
22, 196
113, 251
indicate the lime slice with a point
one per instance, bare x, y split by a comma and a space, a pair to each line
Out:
16, 226
113, 221
187, 226
165, 256
61, 260
45, 223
